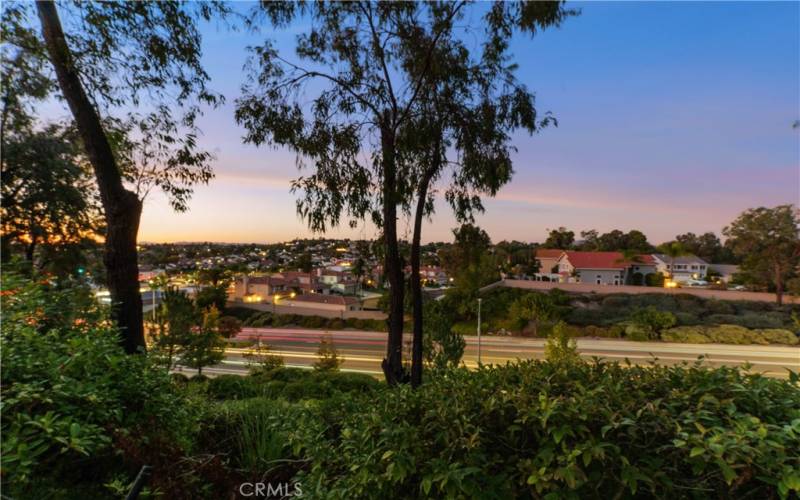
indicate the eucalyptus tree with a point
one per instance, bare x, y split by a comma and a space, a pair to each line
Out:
48, 197
472, 102
131, 75
372, 64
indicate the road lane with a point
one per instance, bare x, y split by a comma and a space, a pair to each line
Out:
363, 351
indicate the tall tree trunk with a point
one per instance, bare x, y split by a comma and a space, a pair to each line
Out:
122, 207
416, 282
393, 363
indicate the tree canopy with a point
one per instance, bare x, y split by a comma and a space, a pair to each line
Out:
768, 242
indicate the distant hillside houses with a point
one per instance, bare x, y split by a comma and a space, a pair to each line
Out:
614, 268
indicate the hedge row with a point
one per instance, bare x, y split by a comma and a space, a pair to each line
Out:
543, 430
292, 384
266, 319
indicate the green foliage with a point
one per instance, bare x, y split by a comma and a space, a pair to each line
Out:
205, 346
176, 316
213, 295
538, 429
534, 309
768, 242
444, 347
729, 334
651, 321
72, 399
328, 358
260, 359
229, 326
560, 348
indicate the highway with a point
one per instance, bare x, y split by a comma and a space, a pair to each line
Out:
363, 351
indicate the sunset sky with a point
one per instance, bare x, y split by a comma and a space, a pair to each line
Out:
673, 117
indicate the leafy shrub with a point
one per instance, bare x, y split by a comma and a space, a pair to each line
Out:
715, 306
733, 334
649, 322
348, 382
586, 317
71, 396
232, 387
560, 347
686, 319
748, 320
328, 358
536, 429
179, 379
686, 334
728, 334
779, 336
611, 332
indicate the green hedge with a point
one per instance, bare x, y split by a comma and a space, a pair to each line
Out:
267, 319
535, 430
729, 334
293, 384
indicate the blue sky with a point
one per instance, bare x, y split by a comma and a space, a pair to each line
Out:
673, 117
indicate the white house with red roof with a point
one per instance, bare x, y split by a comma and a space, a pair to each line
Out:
548, 259
603, 268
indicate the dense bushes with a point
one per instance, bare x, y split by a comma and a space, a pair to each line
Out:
74, 404
293, 384
728, 334
267, 319
564, 431
610, 315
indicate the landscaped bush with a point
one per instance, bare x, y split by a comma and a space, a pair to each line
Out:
232, 387
74, 404
536, 430
728, 334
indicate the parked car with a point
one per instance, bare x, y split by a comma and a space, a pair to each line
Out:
697, 283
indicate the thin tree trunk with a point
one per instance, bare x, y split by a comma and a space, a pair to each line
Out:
416, 284
122, 207
778, 285
393, 363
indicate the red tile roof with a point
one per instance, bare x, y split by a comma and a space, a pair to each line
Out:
596, 260
549, 253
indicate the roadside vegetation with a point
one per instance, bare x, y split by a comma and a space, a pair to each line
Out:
641, 317
80, 417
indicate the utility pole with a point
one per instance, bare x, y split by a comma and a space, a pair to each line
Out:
479, 331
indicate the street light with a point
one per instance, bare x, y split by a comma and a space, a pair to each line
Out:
479, 331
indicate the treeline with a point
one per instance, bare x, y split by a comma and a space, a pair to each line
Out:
707, 246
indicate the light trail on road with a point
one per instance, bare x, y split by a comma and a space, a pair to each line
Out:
364, 350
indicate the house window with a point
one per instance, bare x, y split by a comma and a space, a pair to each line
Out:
694, 268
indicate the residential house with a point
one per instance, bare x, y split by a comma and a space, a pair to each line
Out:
605, 268
600, 268
681, 269
548, 259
